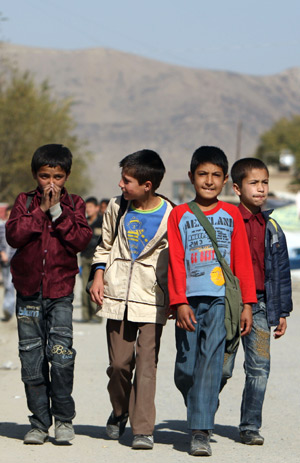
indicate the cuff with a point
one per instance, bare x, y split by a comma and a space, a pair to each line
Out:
55, 211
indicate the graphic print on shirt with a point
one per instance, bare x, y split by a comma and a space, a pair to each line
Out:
136, 235
141, 227
203, 271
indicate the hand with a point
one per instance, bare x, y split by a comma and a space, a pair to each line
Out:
4, 257
281, 328
246, 320
51, 196
185, 317
97, 288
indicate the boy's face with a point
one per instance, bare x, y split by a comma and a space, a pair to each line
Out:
254, 190
208, 180
131, 188
92, 210
47, 175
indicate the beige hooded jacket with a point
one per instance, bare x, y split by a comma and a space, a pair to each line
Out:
139, 284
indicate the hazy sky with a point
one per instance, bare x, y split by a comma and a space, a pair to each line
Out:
253, 37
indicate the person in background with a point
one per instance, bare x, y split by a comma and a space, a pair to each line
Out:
95, 222
6, 254
103, 206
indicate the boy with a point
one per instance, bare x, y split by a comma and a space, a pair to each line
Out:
48, 228
268, 249
95, 222
196, 289
132, 293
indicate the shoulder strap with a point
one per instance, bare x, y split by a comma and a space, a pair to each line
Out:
203, 220
72, 201
123, 207
29, 200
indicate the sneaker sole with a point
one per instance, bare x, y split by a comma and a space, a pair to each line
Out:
201, 452
35, 442
142, 447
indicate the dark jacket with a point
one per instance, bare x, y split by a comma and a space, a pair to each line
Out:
46, 250
96, 227
277, 272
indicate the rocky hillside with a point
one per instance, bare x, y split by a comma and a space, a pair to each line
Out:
125, 102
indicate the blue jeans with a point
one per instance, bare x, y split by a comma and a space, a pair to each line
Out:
46, 337
199, 361
257, 368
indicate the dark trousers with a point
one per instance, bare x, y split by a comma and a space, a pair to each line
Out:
47, 357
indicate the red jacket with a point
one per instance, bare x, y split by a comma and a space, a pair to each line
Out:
46, 250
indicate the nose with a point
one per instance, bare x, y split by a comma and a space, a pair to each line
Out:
209, 180
121, 184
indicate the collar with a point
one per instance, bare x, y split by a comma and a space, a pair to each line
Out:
247, 215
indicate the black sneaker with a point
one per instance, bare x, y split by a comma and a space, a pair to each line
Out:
200, 444
115, 425
251, 437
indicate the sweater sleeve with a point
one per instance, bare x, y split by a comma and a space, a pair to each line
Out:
176, 269
241, 262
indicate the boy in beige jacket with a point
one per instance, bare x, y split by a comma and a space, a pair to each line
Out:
130, 286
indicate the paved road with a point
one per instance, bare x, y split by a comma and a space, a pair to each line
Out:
281, 424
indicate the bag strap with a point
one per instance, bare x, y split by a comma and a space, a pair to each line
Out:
122, 209
203, 220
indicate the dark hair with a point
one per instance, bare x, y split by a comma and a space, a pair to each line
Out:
144, 165
92, 199
52, 155
241, 168
104, 200
210, 154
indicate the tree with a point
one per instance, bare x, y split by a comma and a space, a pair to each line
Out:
31, 117
283, 135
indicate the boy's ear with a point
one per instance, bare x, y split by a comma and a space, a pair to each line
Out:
148, 185
34, 175
236, 189
191, 177
225, 179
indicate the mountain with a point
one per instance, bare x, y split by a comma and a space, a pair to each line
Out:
124, 102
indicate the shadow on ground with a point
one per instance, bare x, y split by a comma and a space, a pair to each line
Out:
169, 432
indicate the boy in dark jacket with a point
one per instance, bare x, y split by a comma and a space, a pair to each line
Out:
48, 227
270, 260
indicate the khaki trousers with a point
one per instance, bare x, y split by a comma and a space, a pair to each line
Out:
132, 346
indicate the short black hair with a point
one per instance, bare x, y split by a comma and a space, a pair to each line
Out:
242, 167
52, 155
104, 200
144, 165
92, 199
210, 154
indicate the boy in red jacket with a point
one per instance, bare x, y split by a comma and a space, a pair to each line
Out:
48, 228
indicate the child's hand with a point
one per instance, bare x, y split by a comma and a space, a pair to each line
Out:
185, 317
51, 196
246, 320
281, 328
97, 288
